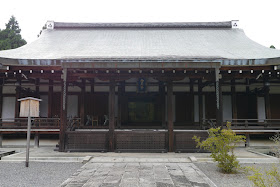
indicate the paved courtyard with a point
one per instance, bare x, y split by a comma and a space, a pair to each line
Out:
144, 174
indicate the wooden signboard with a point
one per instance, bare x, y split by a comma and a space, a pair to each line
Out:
29, 103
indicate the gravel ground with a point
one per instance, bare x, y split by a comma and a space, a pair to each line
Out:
229, 180
36, 175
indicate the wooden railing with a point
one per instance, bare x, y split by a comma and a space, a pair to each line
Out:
246, 123
35, 122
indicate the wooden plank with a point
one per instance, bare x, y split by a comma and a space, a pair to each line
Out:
121, 91
162, 99
63, 113
50, 98
267, 99
82, 102
111, 114
17, 105
170, 116
191, 101
233, 100
200, 102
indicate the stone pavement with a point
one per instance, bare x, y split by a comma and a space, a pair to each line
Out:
142, 173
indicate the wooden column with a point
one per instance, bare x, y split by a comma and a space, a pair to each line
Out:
219, 100
267, 99
63, 113
111, 114
233, 100
18, 89
192, 101
121, 91
82, 102
50, 98
170, 116
1, 139
1, 99
200, 103
37, 135
162, 105
92, 86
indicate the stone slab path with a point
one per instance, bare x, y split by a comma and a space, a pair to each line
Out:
114, 173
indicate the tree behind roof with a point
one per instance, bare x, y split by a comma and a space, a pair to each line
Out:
10, 37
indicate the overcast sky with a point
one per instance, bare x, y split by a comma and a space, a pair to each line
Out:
258, 18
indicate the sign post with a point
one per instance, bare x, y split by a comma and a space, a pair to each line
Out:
29, 107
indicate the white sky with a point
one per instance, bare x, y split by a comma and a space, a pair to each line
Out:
258, 18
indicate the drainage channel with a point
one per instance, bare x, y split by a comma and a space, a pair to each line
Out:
6, 153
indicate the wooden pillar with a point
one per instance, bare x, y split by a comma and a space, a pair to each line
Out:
233, 100
192, 101
92, 86
267, 99
1, 140
162, 105
1, 99
36, 140
170, 116
219, 100
200, 103
63, 113
50, 98
18, 89
111, 114
82, 102
121, 90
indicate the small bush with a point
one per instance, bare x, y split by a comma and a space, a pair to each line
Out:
221, 144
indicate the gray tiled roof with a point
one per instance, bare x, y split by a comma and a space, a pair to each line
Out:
142, 41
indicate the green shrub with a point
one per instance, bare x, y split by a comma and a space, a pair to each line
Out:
269, 178
221, 144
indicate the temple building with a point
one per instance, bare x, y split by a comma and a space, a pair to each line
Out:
141, 86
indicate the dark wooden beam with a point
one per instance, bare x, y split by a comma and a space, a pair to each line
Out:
219, 100
1, 102
162, 100
82, 101
91, 86
170, 116
111, 114
63, 113
18, 95
200, 102
233, 100
121, 91
192, 101
267, 99
50, 98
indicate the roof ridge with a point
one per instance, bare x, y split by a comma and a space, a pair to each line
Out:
225, 24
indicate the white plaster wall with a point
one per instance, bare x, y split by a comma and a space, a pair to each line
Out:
153, 88
130, 88
43, 89
9, 89
261, 109
43, 107
72, 106
8, 108
274, 89
74, 89
240, 88
226, 88
181, 88
227, 108
101, 88
57, 89
209, 89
